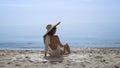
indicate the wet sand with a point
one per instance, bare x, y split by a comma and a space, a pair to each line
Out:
79, 58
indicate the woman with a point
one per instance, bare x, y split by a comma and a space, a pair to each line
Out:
52, 43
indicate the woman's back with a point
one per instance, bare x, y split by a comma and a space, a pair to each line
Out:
53, 42
52, 45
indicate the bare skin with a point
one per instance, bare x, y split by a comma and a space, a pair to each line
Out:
55, 41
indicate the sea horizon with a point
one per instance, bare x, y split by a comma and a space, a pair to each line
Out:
36, 42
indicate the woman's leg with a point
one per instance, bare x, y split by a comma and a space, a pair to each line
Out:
66, 49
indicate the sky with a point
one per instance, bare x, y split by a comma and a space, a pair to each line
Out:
87, 18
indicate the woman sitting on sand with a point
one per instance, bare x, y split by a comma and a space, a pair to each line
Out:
52, 43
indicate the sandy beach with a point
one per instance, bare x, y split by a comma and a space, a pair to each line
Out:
79, 58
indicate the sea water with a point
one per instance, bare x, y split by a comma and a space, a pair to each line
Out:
36, 41
76, 35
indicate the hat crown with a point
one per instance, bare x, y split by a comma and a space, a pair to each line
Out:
49, 26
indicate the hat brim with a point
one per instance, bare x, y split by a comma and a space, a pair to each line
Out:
52, 28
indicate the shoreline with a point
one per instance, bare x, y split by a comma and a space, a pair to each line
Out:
79, 58
71, 48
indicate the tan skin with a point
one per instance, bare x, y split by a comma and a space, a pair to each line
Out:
54, 39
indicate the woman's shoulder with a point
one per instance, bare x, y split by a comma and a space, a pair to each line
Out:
55, 35
51, 36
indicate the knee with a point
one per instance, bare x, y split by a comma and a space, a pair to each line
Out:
66, 44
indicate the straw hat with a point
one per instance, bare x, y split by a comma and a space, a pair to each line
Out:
49, 27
